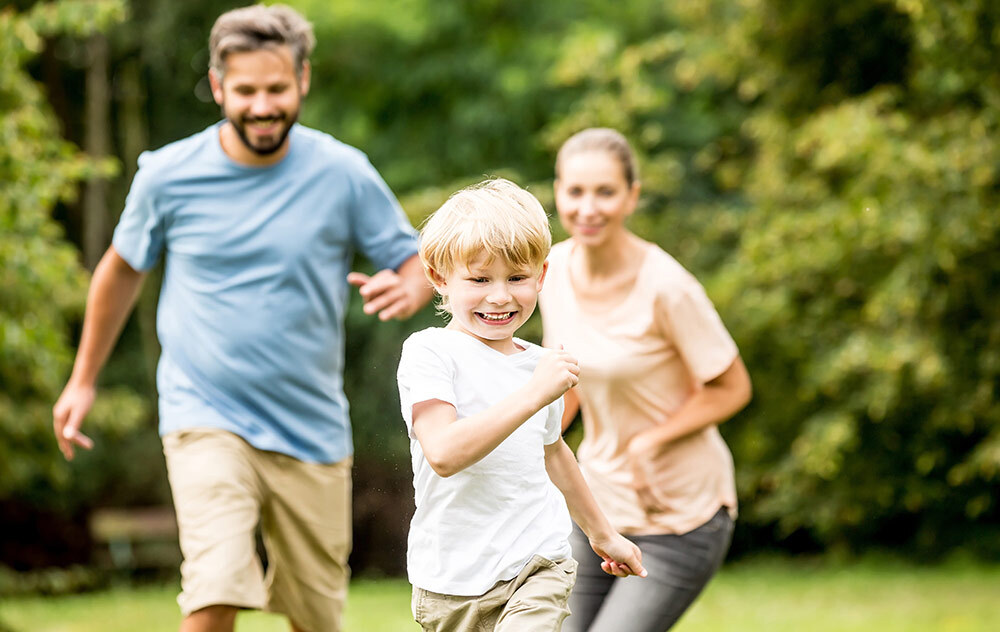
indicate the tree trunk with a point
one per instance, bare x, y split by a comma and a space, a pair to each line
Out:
97, 143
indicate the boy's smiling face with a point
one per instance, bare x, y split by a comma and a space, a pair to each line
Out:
490, 301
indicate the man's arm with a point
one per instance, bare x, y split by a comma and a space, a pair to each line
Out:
114, 289
451, 444
621, 557
394, 293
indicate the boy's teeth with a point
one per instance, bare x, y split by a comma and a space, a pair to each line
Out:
503, 316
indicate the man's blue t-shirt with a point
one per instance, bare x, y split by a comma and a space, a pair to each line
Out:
251, 312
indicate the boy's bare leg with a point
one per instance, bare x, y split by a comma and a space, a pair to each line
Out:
210, 619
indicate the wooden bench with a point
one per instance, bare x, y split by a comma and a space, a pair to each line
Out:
136, 538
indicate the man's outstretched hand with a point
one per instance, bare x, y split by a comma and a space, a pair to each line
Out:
67, 416
388, 294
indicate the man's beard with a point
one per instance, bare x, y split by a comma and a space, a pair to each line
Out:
240, 126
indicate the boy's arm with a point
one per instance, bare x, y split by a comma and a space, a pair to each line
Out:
621, 557
451, 444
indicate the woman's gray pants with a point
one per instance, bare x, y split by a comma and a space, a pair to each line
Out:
679, 566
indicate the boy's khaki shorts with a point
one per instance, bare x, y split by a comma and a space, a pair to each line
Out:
222, 487
533, 601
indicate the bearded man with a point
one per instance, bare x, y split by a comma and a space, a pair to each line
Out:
258, 218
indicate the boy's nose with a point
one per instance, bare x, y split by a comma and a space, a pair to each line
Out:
499, 295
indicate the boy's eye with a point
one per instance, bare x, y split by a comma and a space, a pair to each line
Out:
517, 278
606, 192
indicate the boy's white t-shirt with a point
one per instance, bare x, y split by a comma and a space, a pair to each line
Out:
483, 524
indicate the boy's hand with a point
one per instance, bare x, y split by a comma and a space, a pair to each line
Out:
621, 557
556, 373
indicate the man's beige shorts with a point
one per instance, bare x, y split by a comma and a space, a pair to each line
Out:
534, 601
222, 487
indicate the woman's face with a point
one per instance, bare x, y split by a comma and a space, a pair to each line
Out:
592, 196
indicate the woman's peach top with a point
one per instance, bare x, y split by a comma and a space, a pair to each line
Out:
640, 359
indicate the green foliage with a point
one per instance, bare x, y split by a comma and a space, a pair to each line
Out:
827, 167
42, 285
862, 280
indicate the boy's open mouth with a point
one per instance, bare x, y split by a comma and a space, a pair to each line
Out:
496, 318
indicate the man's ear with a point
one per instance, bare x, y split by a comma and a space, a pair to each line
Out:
304, 78
215, 81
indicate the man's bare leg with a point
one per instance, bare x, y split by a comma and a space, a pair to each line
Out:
210, 619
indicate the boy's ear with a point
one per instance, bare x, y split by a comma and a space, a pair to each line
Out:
541, 277
438, 281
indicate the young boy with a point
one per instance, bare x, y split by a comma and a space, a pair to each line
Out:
488, 543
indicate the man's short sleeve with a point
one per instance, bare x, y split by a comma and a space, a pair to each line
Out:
380, 229
138, 238
424, 373
697, 329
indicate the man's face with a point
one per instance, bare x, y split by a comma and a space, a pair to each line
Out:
260, 95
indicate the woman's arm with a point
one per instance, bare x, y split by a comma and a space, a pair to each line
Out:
620, 556
571, 402
720, 399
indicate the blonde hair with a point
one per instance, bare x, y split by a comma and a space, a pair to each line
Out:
601, 139
257, 27
495, 218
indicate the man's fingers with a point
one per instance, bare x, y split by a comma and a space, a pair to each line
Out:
382, 301
357, 279
59, 415
71, 431
82, 440
400, 307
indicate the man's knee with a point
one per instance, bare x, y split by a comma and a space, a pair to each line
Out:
219, 618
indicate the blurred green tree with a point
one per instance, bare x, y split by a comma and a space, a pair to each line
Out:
42, 283
850, 237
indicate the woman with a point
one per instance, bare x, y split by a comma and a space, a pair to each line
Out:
659, 372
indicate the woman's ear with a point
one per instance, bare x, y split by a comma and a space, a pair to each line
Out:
633, 196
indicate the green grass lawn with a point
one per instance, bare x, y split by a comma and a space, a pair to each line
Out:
767, 595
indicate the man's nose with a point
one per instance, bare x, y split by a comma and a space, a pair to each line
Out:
261, 104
